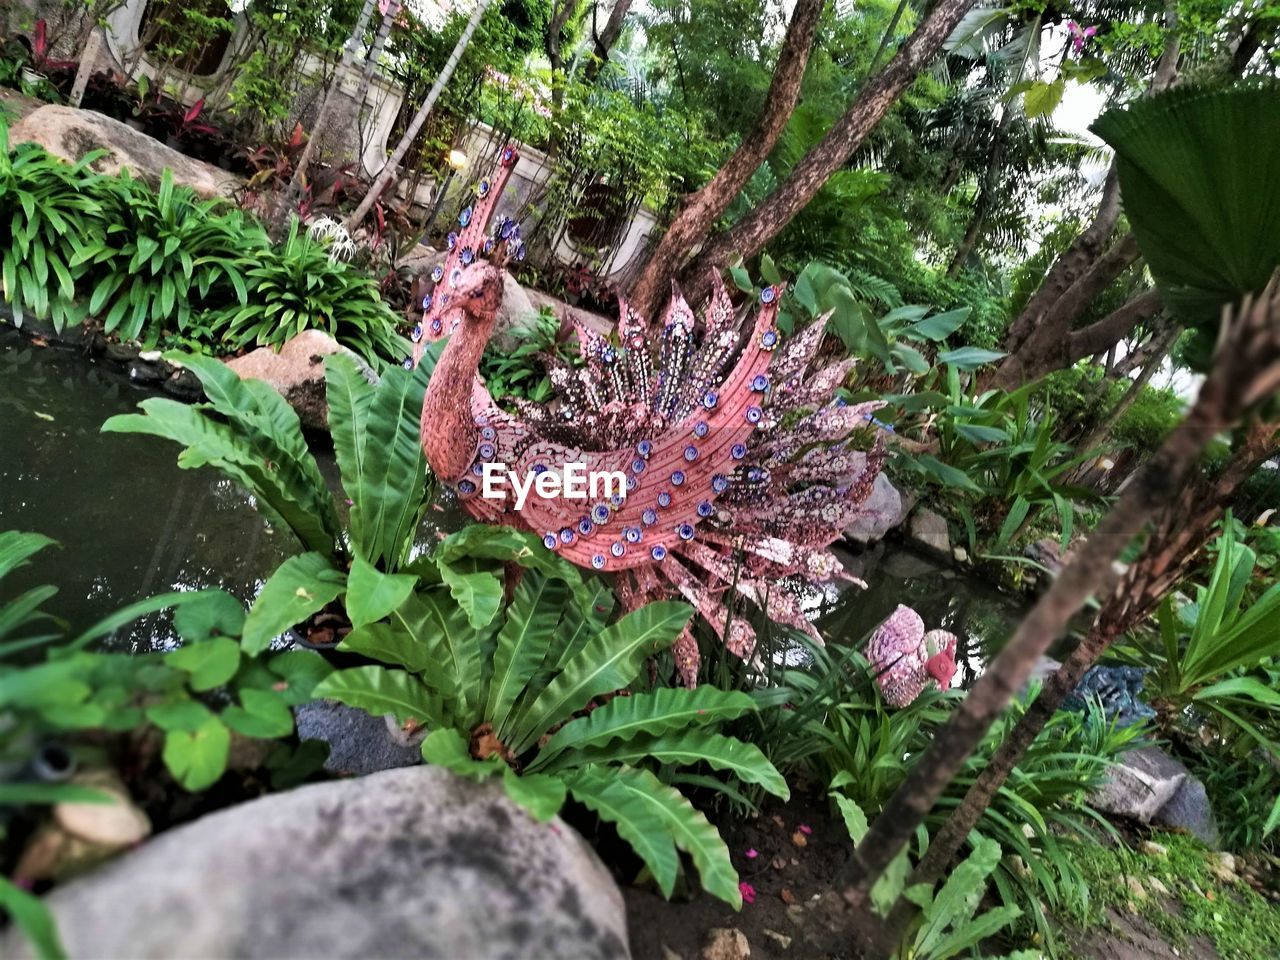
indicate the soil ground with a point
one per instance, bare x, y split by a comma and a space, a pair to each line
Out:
790, 872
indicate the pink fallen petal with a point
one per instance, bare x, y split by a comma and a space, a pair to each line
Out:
805, 829
748, 892
752, 853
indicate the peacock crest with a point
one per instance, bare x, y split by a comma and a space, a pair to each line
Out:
741, 464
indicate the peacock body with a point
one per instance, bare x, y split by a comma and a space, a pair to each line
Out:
741, 466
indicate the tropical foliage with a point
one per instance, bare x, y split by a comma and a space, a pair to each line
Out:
164, 266
1212, 656
537, 692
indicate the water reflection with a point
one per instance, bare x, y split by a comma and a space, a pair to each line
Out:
981, 617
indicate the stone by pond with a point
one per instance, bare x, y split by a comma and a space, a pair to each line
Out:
408, 863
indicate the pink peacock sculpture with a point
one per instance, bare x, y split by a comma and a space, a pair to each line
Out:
905, 659
741, 468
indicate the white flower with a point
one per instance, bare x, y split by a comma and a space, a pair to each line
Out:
328, 230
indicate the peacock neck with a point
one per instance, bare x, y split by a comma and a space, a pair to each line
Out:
449, 431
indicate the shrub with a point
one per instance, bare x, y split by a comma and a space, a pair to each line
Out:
165, 265
527, 692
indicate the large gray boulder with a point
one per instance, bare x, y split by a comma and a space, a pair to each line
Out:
1140, 784
70, 134
881, 512
1189, 809
1150, 786
413, 863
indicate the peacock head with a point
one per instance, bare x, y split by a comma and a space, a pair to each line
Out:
478, 294
940, 646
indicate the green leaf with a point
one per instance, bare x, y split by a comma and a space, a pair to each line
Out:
955, 903
689, 829
685, 748
372, 595
523, 642
185, 715
448, 748
608, 662
215, 613
301, 670
541, 795
911, 358
389, 643
257, 442
438, 625
377, 690
477, 591
299, 587
198, 759
976, 433
33, 918
769, 271
479, 541
15, 794
210, 663
948, 475
16, 548
969, 358
1273, 819
386, 476
1191, 161
1017, 514
619, 802
653, 714
1042, 98
855, 821
939, 326
127, 614
262, 714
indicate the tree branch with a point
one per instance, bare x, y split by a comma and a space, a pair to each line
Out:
698, 215
756, 229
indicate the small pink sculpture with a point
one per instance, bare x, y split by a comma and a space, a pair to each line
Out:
904, 658
741, 465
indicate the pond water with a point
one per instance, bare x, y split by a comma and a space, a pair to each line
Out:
131, 523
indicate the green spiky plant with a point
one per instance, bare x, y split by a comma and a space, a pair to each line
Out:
1210, 652
518, 691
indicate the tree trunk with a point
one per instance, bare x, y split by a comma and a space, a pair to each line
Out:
555, 27
750, 235
606, 38
1060, 297
1158, 351
1053, 345
986, 188
371, 64
326, 106
389, 168
699, 213
1246, 373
